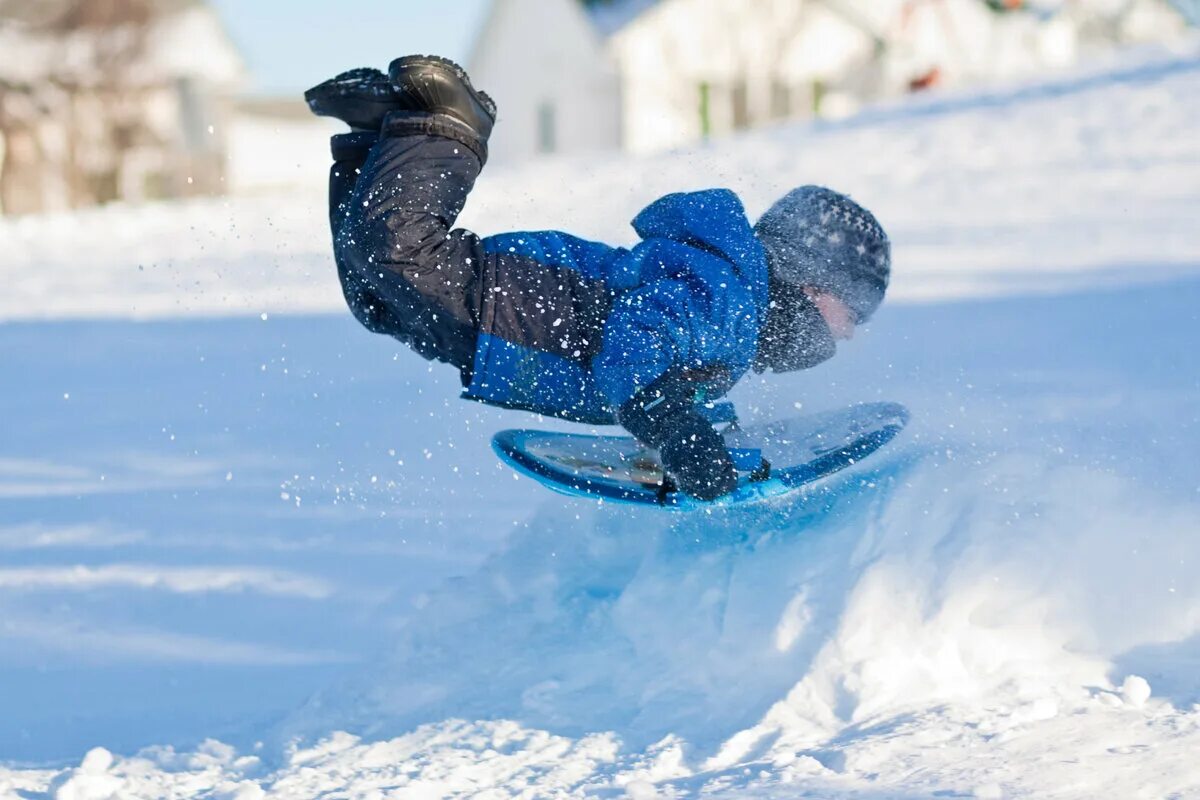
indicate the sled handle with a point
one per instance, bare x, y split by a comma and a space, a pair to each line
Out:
745, 459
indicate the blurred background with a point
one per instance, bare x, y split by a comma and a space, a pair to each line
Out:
140, 100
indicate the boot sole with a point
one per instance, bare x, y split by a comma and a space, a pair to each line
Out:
358, 102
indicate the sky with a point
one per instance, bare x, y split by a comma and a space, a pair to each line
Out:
290, 45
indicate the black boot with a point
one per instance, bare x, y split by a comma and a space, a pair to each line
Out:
439, 86
361, 98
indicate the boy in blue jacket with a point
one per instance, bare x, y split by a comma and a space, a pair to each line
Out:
551, 323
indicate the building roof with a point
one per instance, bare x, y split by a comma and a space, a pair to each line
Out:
612, 16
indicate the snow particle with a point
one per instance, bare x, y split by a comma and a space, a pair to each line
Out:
1135, 691
640, 790
96, 762
245, 790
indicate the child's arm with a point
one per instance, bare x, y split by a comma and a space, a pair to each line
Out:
435, 287
663, 415
698, 319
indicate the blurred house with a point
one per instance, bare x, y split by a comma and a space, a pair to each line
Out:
543, 60
136, 99
694, 68
105, 100
554, 83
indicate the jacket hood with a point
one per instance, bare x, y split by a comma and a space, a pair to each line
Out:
712, 220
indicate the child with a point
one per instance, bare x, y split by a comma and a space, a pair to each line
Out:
554, 324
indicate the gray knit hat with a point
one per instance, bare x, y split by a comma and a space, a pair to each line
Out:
817, 237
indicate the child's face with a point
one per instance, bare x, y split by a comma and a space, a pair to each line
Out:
837, 314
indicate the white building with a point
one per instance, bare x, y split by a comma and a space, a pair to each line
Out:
546, 66
544, 62
693, 68
641, 75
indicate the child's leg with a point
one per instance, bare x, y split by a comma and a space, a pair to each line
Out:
350, 151
406, 273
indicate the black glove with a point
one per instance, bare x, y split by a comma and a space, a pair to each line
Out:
663, 416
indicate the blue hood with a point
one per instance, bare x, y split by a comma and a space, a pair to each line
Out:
712, 220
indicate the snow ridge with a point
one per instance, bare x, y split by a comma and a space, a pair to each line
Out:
942, 608
747, 635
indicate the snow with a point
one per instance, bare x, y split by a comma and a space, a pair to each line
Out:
269, 154
248, 551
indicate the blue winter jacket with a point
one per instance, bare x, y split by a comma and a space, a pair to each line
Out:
542, 321
692, 294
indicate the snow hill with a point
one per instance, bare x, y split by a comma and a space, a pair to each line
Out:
276, 531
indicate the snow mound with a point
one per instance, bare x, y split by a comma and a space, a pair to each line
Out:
1001, 587
950, 621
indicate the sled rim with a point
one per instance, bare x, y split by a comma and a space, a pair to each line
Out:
510, 446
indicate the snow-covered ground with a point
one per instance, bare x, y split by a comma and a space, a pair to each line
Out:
226, 518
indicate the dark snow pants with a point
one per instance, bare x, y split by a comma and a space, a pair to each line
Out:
519, 314
393, 200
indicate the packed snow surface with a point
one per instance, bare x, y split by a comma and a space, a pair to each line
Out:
269, 555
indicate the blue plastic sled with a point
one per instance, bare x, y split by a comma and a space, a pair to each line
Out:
772, 459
